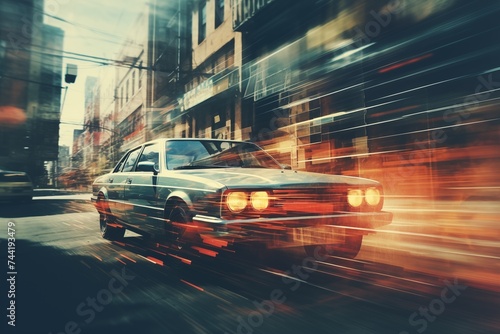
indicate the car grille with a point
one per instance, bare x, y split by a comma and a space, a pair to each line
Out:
311, 200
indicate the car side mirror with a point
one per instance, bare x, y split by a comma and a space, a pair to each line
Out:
147, 166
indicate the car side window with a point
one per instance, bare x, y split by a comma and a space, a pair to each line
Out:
151, 153
129, 163
119, 166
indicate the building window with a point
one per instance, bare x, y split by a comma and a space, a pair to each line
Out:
133, 82
121, 97
202, 21
126, 92
139, 80
219, 12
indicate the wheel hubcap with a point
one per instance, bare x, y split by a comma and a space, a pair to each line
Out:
103, 222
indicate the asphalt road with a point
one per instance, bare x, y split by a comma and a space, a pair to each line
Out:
419, 275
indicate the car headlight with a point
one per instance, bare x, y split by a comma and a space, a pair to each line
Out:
372, 196
355, 197
237, 201
259, 200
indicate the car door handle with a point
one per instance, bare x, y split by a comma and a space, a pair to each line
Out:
129, 181
110, 180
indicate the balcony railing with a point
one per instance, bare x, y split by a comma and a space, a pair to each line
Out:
245, 10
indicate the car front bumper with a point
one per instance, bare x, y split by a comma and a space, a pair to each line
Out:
289, 231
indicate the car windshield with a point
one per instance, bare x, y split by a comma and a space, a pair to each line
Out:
196, 154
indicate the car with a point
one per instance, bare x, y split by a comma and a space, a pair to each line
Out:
211, 195
15, 186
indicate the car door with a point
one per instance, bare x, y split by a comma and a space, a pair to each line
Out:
117, 181
141, 191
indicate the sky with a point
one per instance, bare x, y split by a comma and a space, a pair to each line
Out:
91, 27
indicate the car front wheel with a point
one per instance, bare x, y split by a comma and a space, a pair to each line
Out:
178, 218
108, 231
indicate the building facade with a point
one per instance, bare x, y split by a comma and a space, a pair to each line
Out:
30, 89
358, 88
168, 67
109, 137
130, 94
92, 129
211, 104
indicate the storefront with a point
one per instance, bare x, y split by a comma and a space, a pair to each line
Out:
211, 109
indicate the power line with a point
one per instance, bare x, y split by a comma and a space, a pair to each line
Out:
80, 25
103, 33
78, 56
91, 126
31, 81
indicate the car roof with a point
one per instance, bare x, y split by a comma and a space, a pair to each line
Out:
200, 139
163, 139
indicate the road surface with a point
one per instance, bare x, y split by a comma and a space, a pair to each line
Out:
434, 270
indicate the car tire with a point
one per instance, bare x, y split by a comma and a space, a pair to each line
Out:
105, 219
349, 249
177, 216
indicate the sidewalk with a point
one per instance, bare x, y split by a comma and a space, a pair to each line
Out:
57, 192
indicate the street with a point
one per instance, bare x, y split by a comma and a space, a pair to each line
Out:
424, 273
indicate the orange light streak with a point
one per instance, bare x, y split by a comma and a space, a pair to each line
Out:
128, 258
206, 251
186, 261
155, 260
404, 63
192, 285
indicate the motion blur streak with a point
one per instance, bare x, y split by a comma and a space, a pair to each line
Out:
404, 63
192, 285
414, 106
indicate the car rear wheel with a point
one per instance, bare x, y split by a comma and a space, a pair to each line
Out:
349, 249
106, 221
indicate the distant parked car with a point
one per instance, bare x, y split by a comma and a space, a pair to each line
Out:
15, 186
213, 194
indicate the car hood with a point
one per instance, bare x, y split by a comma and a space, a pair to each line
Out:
275, 178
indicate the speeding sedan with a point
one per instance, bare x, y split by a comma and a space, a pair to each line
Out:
208, 194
